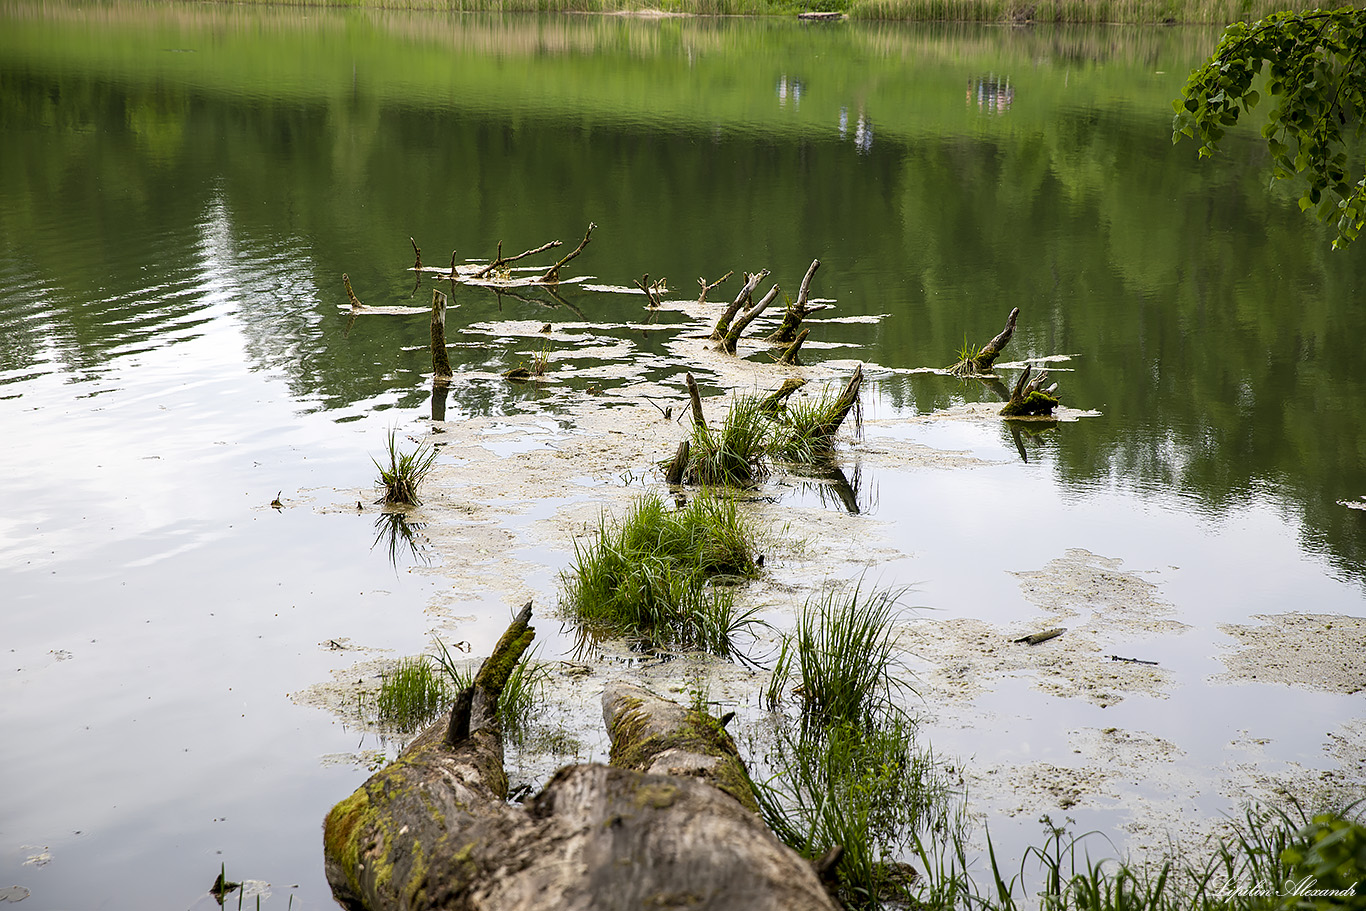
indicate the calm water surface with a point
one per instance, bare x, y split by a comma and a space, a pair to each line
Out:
181, 189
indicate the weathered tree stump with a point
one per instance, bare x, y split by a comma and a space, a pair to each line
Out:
774, 401
843, 404
673, 473
441, 361
434, 830
732, 337
741, 299
981, 362
786, 333
1028, 400
351, 295
790, 354
695, 397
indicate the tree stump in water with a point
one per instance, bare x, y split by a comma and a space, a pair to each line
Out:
1028, 400
981, 361
433, 830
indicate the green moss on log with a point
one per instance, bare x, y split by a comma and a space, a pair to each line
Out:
1036, 403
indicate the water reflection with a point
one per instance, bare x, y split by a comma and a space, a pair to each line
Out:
401, 538
993, 94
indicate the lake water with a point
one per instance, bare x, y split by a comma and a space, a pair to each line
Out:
182, 187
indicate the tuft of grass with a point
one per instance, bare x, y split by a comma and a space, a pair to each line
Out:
411, 695
405, 473
735, 454
842, 652
805, 433
870, 791
656, 574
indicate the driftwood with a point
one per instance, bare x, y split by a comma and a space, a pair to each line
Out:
1028, 400
797, 311
1043, 636
981, 361
669, 824
551, 276
732, 336
741, 299
441, 362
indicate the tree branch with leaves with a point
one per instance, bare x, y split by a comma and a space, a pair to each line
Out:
1315, 65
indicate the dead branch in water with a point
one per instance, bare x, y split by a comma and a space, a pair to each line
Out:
696, 398
653, 291
702, 298
552, 275
773, 403
1027, 399
500, 260
351, 295
741, 299
732, 337
799, 310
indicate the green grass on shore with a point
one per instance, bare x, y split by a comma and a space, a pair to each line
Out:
1199, 12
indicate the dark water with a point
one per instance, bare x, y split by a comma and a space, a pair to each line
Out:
181, 189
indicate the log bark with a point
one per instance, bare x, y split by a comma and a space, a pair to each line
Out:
732, 337
746, 293
441, 362
434, 830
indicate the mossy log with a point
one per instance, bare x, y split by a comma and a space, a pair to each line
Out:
789, 356
845, 402
774, 401
434, 830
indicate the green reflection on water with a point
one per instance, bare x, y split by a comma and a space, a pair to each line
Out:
943, 174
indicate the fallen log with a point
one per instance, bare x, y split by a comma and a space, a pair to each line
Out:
434, 830
1042, 636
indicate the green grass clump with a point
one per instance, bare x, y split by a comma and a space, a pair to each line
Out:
806, 428
736, 453
411, 695
656, 572
843, 654
404, 473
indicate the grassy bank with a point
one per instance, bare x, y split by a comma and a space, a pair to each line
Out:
1200, 12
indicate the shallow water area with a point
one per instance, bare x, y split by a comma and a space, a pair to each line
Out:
200, 588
